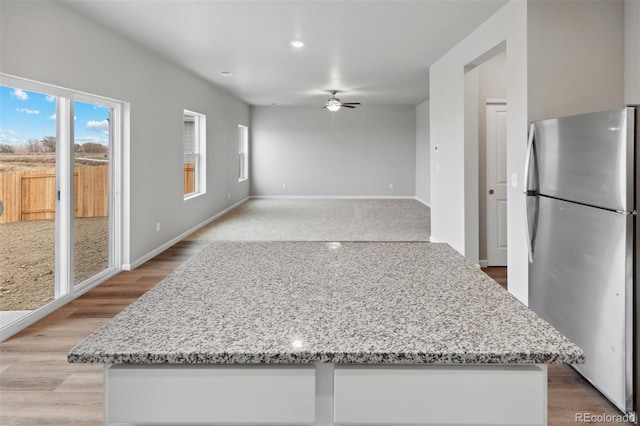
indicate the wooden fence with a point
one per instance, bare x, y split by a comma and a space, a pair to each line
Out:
189, 178
31, 195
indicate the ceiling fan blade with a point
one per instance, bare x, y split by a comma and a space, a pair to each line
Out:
347, 106
350, 103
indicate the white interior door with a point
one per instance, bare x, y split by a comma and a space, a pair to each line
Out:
496, 184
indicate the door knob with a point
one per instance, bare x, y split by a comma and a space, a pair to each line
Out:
491, 192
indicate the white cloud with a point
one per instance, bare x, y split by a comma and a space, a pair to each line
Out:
10, 141
98, 126
95, 139
53, 116
11, 132
50, 98
20, 94
28, 111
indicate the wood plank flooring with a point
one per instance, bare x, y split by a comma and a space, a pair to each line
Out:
39, 387
498, 273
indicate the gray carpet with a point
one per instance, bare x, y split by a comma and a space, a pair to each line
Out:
321, 220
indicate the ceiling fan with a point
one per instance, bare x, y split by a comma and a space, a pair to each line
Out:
333, 104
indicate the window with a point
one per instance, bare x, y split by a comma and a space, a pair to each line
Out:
194, 143
243, 153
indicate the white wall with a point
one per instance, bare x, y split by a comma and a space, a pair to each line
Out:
471, 196
562, 58
447, 124
423, 152
357, 152
49, 43
576, 57
632, 52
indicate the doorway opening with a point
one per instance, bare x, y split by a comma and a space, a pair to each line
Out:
486, 176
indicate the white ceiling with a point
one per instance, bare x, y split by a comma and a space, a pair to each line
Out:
375, 52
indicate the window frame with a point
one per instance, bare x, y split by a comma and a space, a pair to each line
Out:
243, 153
199, 153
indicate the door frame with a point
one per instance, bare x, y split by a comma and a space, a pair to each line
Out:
65, 289
472, 105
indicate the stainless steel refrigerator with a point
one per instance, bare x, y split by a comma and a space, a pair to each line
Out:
582, 194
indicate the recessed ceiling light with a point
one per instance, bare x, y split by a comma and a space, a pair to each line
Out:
297, 43
225, 73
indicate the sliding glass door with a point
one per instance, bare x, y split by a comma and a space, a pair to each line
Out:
28, 165
92, 190
57, 192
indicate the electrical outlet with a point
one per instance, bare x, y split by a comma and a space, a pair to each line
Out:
228, 195
157, 226
514, 180
284, 186
390, 186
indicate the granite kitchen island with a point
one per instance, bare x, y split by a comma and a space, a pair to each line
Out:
314, 333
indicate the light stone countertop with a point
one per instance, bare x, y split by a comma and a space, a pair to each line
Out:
309, 302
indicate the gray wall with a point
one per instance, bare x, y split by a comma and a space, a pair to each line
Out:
49, 43
632, 52
575, 57
423, 169
357, 152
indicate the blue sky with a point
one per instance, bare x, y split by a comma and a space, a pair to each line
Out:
30, 115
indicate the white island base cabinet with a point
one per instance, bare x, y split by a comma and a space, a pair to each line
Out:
325, 395
440, 395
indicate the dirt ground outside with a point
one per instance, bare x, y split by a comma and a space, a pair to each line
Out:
27, 259
27, 255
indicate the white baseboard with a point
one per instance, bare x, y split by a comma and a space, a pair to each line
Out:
433, 240
334, 197
133, 265
420, 200
483, 263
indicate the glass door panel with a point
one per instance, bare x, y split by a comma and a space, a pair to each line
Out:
91, 180
27, 201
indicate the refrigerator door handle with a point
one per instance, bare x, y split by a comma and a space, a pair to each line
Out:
527, 192
527, 161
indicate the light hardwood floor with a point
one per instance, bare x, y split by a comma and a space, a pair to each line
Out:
39, 387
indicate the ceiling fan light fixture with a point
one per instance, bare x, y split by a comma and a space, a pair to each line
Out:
333, 105
297, 43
